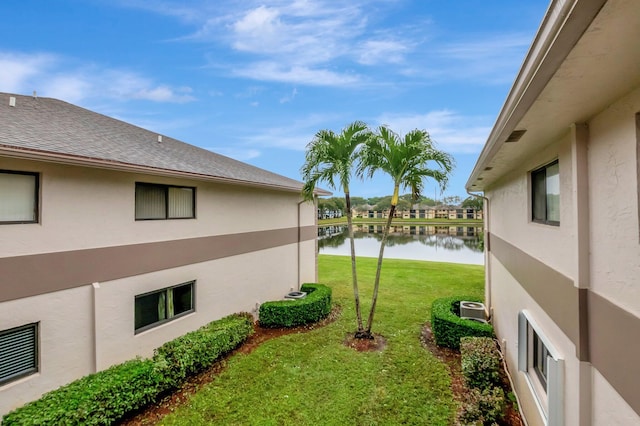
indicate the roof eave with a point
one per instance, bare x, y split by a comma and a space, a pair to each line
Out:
561, 28
75, 160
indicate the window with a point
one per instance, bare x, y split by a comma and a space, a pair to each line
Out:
164, 202
18, 352
544, 370
158, 307
19, 197
545, 194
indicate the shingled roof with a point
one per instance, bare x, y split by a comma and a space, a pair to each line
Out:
54, 130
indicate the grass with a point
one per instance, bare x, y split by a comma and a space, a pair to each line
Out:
313, 379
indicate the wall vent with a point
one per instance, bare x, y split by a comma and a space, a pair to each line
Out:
12, 101
515, 135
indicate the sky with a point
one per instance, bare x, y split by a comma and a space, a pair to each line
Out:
256, 80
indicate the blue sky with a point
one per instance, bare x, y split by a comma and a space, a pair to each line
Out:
255, 80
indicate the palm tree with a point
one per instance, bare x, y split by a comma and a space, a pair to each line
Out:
331, 158
408, 162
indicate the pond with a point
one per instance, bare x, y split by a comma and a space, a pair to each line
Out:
439, 243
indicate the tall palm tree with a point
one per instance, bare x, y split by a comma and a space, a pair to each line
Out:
331, 158
408, 161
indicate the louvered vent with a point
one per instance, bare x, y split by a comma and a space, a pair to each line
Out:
18, 355
515, 135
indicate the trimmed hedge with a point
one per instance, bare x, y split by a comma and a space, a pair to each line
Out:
196, 350
447, 326
96, 399
480, 362
107, 396
291, 313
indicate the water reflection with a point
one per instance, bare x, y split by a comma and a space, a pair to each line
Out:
458, 244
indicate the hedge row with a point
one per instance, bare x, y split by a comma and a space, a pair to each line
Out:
447, 326
106, 396
485, 403
294, 312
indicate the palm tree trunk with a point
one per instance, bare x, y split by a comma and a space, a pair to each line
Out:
356, 293
379, 268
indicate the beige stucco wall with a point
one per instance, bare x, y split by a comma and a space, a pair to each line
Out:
508, 299
510, 206
83, 208
614, 251
224, 286
86, 208
613, 186
608, 407
65, 342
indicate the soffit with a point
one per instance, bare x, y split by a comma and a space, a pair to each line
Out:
603, 66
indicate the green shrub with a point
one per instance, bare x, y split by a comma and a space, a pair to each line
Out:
96, 399
107, 396
195, 351
483, 407
447, 326
291, 313
480, 362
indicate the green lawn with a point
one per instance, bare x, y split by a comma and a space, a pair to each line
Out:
313, 379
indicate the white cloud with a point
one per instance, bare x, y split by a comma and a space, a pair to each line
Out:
295, 135
240, 154
452, 132
17, 69
373, 52
290, 97
326, 42
272, 71
485, 58
66, 79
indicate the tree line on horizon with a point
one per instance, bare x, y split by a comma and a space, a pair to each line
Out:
405, 202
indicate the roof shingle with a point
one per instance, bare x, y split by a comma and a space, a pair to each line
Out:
47, 126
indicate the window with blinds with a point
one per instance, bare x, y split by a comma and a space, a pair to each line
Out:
18, 352
18, 197
159, 202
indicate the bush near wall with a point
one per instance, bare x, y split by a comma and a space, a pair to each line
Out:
480, 362
194, 351
485, 402
107, 396
291, 313
448, 328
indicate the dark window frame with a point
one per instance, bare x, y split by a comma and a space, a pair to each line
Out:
36, 353
165, 290
36, 198
540, 353
541, 171
166, 200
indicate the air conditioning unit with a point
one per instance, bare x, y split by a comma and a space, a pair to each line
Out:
295, 295
472, 310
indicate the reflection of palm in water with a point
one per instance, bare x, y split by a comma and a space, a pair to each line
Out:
449, 238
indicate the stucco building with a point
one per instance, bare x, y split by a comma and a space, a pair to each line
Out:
115, 239
560, 173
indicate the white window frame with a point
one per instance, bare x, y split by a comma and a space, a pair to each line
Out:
29, 360
168, 314
35, 213
549, 398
